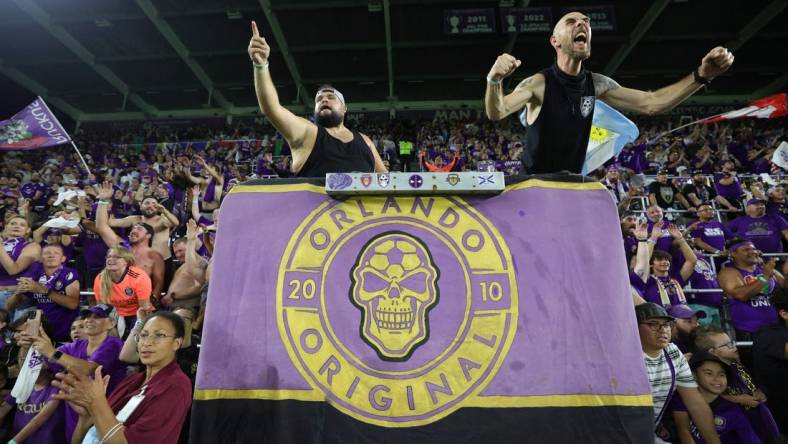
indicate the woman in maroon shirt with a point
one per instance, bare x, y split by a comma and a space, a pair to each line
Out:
148, 407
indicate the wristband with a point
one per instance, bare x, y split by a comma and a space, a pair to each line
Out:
102, 202
138, 325
642, 240
490, 81
698, 79
259, 66
56, 355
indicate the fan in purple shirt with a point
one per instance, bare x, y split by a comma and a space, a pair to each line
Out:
732, 425
53, 288
651, 273
40, 418
709, 234
656, 218
766, 232
749, 282
727, 184
778, 204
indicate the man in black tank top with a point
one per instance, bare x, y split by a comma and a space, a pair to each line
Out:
326, 146
559, 100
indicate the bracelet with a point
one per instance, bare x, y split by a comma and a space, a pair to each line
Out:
259, 66
138, 325
102, 202
493, 82
111, 432
642, 240
698, 79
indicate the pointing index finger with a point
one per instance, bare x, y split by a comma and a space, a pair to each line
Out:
255, 32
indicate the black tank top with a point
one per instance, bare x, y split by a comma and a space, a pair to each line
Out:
331, 155
558, 138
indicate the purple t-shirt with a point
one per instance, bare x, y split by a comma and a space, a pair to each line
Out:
732, 425
59, 317
106, 355
51, 431
703, 278
13, 246
751, 315
732, 193
94, 250
765, 232
713, 233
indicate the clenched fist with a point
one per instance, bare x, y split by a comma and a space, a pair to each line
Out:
716, 62
258, 48
504, 66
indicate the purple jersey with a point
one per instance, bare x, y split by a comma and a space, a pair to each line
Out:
713, 233
59, 317
106, 355
51, 431
731, 424
13, 246
751, 315
764, 232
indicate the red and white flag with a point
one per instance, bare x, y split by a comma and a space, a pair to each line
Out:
766, 108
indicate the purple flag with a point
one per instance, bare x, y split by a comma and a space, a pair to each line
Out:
33, 127
487, 316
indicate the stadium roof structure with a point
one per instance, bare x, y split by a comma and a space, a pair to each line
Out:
129, 59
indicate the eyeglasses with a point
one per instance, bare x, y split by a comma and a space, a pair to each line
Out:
154, 338
657, 326
731, 345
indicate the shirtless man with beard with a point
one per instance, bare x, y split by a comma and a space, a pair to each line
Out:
158, 217
187, 283
326, 146
140, 241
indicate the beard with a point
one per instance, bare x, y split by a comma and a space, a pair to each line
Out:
328, 120
149, 213
569, 49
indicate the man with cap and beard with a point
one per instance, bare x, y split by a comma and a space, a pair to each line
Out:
326, 146
559, 100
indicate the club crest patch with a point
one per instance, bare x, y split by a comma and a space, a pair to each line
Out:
399, 310
586, 105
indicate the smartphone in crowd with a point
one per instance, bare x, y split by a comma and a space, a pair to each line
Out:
33, 322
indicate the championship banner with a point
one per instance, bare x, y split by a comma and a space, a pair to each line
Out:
33, 127
413, 319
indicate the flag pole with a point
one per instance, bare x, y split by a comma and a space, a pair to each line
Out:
659, 136
85, 164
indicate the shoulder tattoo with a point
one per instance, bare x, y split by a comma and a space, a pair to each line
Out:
524, 83
603, 84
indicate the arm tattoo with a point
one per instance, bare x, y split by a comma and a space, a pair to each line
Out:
603, 84
524, 83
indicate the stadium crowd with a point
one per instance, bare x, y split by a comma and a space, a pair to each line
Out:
119, 262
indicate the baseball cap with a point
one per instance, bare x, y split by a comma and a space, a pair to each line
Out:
754, 201
662, 171
102, 311
683, 311
650, 310
695, 172
699, 357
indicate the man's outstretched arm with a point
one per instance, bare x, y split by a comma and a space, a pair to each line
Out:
716, 62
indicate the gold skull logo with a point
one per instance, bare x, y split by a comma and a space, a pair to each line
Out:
394, 283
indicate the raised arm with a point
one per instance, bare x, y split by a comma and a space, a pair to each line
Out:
643, 254
716, 62
689, 256
496, 105
102, 216
295, 130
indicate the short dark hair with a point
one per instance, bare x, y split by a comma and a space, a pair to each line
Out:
175, 321
660, 254
150, 231
179, 240
54, 246
5, 316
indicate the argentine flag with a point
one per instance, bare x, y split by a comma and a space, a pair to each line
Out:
610, 131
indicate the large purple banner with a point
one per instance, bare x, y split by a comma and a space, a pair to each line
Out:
33, 127
399, 311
